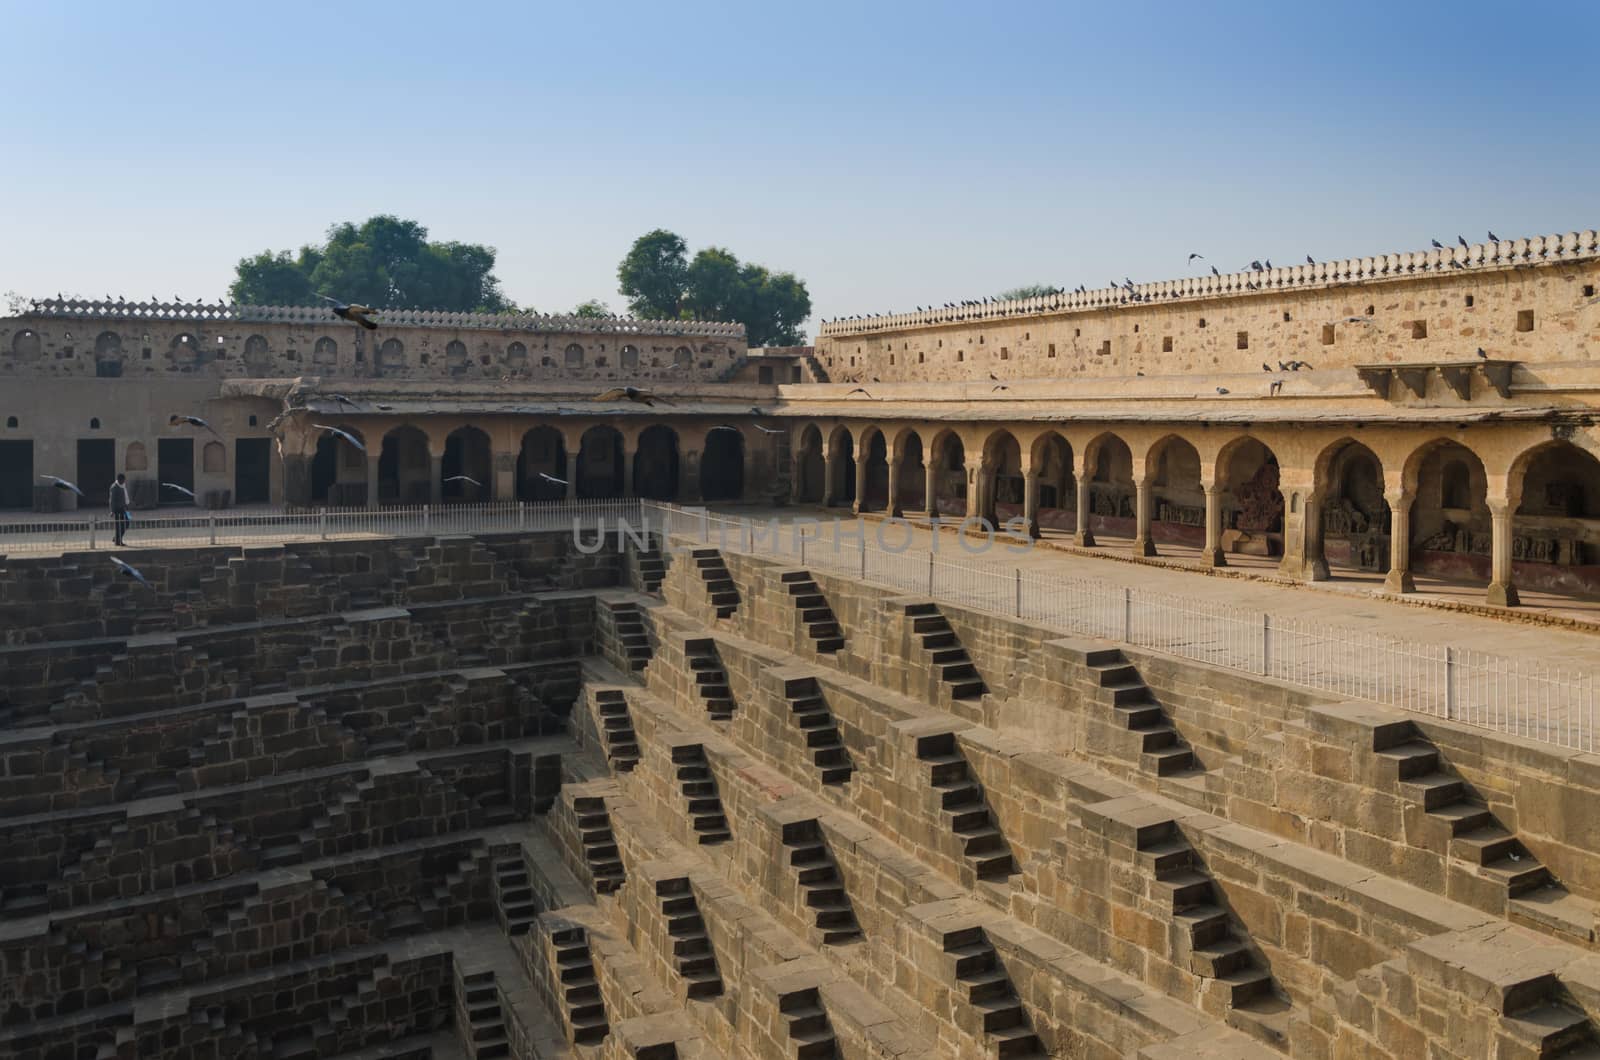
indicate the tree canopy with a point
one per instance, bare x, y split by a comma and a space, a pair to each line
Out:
592, 308
383, 262
1032, 290
659, 280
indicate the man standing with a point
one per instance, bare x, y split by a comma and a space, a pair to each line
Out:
119, 505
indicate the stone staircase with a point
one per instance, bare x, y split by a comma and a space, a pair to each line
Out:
513, 898
692, 956
485, 1033
652, 567
1161, 750
711, 681
963, 807
993, 1011
616, 728
820, 883
322, 836
629, 623
699, 789
821, 625
719, 583
939, 642
600, 853
584, 1008
808, 1025
810, 712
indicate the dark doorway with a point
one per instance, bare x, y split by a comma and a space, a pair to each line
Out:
252, 471
324, 468
16, 475
655, 465
175, 464
722, 466
97, 467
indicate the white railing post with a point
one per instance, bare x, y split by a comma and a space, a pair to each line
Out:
92, 528
802, 536
1018, 572
322, 523
1266, 645
427, 518
211, 524
863, 556
1127, 614
930, 574
1449, 682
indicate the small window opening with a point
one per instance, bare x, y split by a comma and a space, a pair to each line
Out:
1588, 290
1166, 344
961, 355
11, 421
1286, 318
1005, 354
1202, 321
1105, 348
1052, 352
1469, 301
252, 421
1243, 340
1370, 310
1327, 334
1419, 329
94, 423
1524, 320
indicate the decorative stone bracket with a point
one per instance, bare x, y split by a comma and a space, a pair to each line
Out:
1457, 376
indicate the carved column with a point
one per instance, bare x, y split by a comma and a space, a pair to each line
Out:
830, 472
894, 511
1142, 543
1302, 535
372, 477
977, 490
1082, 535
1030, 502
572, 475
1399, 579
930, 496
1502, 587
1213, 555
859, 505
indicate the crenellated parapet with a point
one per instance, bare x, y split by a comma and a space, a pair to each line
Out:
1505, 254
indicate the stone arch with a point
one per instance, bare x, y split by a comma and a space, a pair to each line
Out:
257, 354
1174, 474
456, 359
338, 470
1450, 529
683, 357
1555, 527
1110, 486
630, 356
722, 464
874, 450
184, 351
214, 459
137, 458
1050, 459
841, 467
405, 467
655, 463
391, 355
1002, 487
467, 455
517, 356
572, 357
1353, 517
108, 344
26, 345
1252, 506
542, 452
912, 484
325, 354
949, 473
600, 462
810, 472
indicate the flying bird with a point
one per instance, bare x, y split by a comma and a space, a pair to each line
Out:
1202, 257
193, 421
181, 489
62, 484
723, 427
356, 314
131, 571
858, 390
1277, 385
463, 478
340, 399
634, 394
552, 478
766, 430
346, 435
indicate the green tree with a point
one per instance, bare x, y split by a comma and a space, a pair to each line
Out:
592, 308
1032, 290
653, 275
714, 286
385, 262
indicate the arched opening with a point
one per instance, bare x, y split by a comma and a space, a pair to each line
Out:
949, 475
841, 468
655, 464
912, 487
1252, 505
391, 355
456, 359
214, 459
543, 453
1112, 496
1002, 471
722, 465
404, 467
1555, 530
1177, 500
1451, 530
338, 471
810, 468
466, 457
1058, 484
1355, 516
683, 357
257, 354
325, 354
600, 463
875, 466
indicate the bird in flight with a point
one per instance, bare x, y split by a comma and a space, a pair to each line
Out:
1277, 385
193, 421
346, 435
131, 571
62, 484
634, 394
998, 386
174, 486
1202, 257
859, 390
463, 478
767, 430
356, 314
552, 478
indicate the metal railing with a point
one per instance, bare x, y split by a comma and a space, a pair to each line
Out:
279, 525
1507, 695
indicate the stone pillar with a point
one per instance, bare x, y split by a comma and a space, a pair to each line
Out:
627, 469
372, 477
1302, 535
1213, 556
1399, 579
797, 479
1143, 545
1030, 502
504, 487
436, 483
1082, 535
859, 505
977, 491
830, 472
930, 495
1502, 586
572, 475
894, 511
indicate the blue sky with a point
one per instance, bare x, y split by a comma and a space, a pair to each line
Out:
891, 155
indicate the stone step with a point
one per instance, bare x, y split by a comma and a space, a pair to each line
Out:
1485, 845
1433, 790
1186, 889
1167, 760
1216, 959
972, 959
1412, 759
